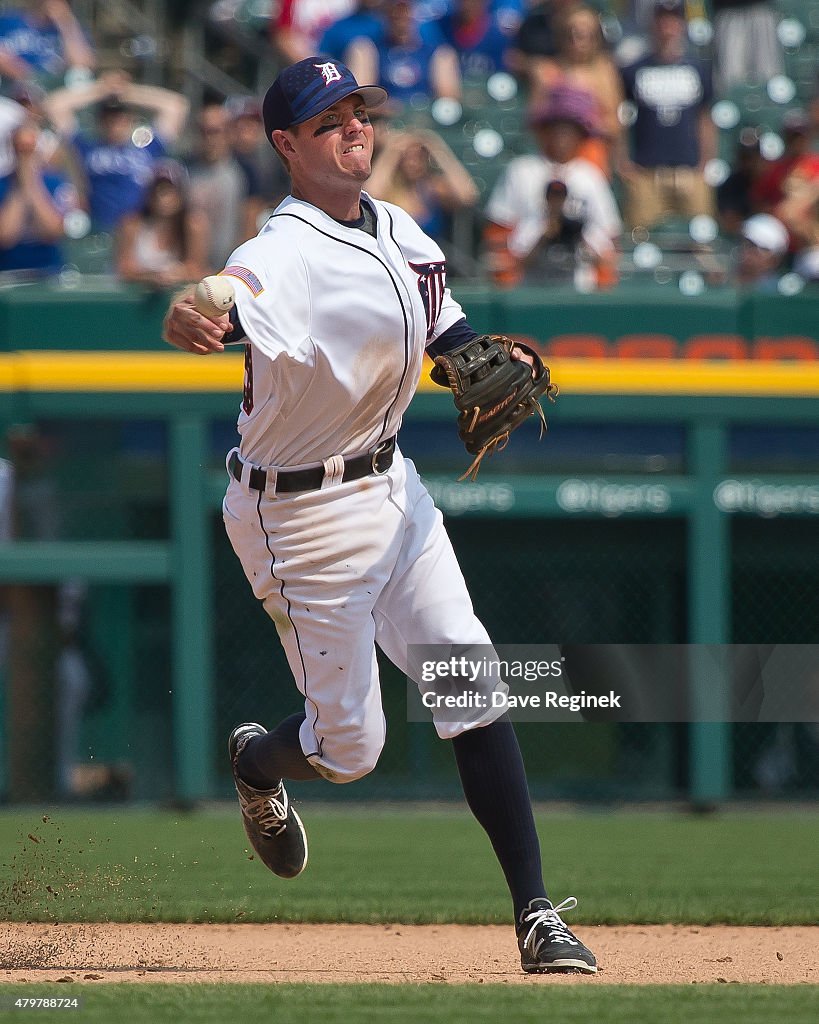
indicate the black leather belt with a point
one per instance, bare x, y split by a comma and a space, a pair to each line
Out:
288, 481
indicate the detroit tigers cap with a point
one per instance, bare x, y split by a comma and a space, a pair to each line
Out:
306, 88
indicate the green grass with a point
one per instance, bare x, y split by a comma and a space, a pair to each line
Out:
461, 1004
405, 865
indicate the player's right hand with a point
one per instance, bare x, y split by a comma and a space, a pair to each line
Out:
187, 329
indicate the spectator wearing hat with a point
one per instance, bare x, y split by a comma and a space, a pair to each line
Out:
673, 134
118, 161
33, 203
165, 243
521, 210
764, 247
43, 42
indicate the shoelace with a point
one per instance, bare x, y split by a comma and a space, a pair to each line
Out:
556, 929
269, 812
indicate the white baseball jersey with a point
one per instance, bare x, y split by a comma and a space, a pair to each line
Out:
338, 322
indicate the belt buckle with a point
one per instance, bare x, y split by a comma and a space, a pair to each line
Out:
382, 447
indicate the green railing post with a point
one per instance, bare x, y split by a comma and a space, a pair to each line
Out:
709, 568
193, 702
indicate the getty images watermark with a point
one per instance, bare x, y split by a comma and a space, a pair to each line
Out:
615, 682
471, 671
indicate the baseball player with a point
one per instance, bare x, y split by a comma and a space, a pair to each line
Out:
337, 299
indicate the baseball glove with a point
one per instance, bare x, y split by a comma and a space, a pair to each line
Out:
494, 392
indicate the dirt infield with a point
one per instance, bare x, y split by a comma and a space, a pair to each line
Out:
637, 954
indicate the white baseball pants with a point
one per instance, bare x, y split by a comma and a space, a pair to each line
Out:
339, 570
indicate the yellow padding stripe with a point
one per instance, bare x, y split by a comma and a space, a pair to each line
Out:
121, 371
685, 377
180, 372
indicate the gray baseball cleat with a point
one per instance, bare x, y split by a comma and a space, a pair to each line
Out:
274, 829
546, 943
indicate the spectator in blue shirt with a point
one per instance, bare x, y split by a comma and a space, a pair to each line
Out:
510, 13
474, 32
673, 135
119, 160
43, 42
365, 22
411, 61
33, 204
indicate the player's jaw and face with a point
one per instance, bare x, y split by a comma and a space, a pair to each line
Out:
331, 154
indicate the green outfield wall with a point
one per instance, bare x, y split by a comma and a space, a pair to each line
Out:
631, 321
672, 501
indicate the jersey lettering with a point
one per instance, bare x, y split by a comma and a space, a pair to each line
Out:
431, 285
247, 389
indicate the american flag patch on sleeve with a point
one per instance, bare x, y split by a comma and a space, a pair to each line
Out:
246, 277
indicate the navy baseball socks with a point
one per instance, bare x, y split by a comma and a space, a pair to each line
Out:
273, 828
271, 756
494, 783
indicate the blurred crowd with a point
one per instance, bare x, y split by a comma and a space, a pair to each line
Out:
616, 141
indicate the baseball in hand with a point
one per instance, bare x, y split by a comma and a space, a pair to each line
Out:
213, 296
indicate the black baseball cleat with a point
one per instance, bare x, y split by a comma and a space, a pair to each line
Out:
547, 945
274, 829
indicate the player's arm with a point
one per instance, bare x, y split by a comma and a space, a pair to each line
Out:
262, 312
461, 333
458, 334
267, 311
238, 333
